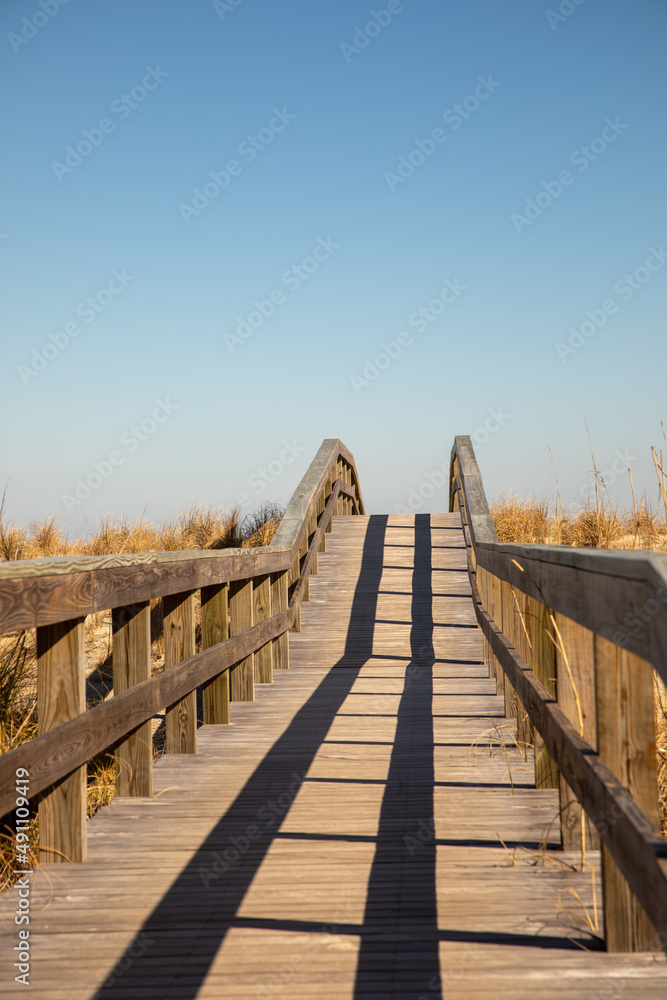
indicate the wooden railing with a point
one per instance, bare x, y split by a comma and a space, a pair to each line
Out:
573, 637
250, 599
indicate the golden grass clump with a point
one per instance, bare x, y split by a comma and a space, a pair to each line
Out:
200, 526
599, 526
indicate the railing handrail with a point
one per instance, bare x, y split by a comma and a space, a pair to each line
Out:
594, 589
631, 586
53, 755
48, 596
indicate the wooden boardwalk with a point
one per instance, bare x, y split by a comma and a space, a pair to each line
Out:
367, 828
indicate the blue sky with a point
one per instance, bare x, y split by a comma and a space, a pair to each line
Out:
217, 217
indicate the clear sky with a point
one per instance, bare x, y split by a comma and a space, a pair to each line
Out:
229, 230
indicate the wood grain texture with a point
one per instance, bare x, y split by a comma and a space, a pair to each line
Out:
215, 629
131, 628
279, 603
179, 645
263, 658
507, 605
242, 681
575, 670
303, 553
61, 697
543, 664
521, 641
626, 739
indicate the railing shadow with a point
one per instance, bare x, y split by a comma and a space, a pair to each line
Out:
400, 929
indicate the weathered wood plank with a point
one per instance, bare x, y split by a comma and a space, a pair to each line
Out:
626, 739
543, 664
242, 686
575, 670
263, 658
179, 645
61, 696
131, 628
279, 603
215, 629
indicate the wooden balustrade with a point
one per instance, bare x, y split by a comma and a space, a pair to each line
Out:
577, 635
250, 599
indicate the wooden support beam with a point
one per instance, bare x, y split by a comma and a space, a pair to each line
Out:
61, 696
507, 605
263, 658
293, 581
131, 629
327, 494
312, 528
303, 554
494, 667
521, 642
543, 664
575, 670
482, 584
279, 602
179, 644
241, 619
215, 629
626, 744
496, 612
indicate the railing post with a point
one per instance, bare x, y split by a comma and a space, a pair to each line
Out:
507, 626
303, 553
626, 743
179, 644
279, 602
293, 580
496, 612
215, 629
542, 662
321, 503
575, 696
482, 586
312, 528
327, 493
61, 696
521, 644
263, 657
241, 619
131, 628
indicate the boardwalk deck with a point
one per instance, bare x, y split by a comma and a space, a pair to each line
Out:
366, 829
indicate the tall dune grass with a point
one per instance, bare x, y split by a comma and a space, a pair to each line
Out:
200, 526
